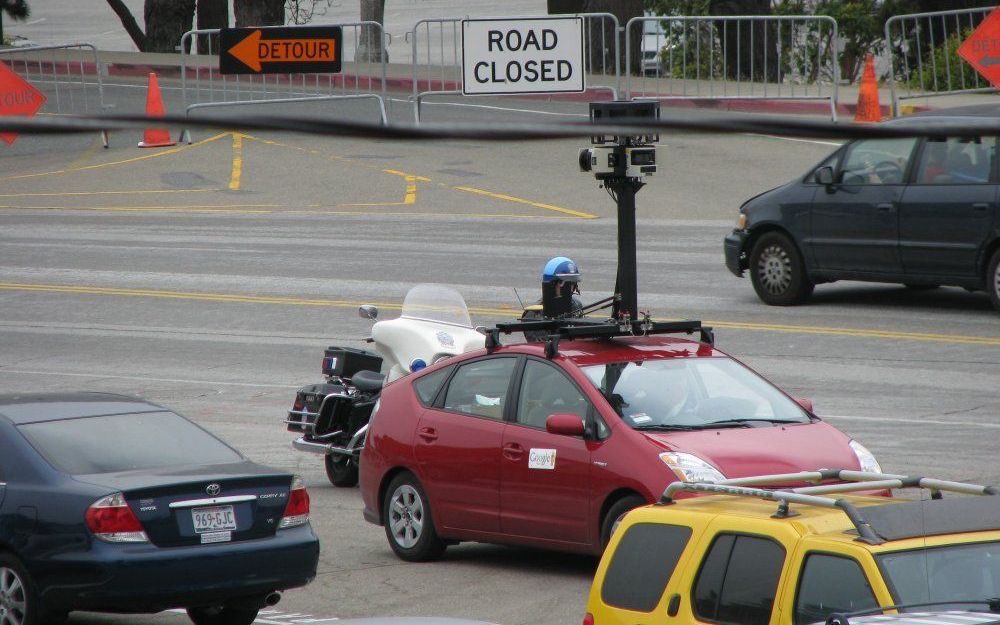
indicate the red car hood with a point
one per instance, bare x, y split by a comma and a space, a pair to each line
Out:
742, 452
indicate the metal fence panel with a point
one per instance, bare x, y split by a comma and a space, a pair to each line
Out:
69, 74
363, 74
733, 57
437, 55
923, 48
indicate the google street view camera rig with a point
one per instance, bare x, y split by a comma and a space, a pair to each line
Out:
620, 163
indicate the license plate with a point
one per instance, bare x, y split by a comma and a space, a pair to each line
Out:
213, 519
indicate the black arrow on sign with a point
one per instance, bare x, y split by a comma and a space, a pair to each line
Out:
987, 61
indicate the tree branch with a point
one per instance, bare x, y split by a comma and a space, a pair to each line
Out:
128, 21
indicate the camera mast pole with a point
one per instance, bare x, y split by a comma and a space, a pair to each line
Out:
626, 302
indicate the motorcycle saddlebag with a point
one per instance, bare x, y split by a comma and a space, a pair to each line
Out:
308, 401
346, 414
344, 362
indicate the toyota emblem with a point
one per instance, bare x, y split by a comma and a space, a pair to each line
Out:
213, 489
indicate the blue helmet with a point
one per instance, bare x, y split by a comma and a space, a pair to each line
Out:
560, 268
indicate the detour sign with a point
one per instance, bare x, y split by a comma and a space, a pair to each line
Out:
982, 48
281, 50
17, 97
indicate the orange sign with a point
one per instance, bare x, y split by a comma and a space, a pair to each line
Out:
280, 50
17, 97
982, 48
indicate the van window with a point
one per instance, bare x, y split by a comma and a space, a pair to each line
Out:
877, 161
427, 386
738, 580
957, 161
831, 584
642, 565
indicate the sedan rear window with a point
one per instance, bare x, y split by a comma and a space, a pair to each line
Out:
125, 442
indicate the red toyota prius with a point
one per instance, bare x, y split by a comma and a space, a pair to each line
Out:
521, 445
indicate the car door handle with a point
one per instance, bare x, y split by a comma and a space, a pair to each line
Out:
513, 451
428, 434
885, 207
981, 207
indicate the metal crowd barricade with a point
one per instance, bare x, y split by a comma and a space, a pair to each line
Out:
437, 55
733, 57
363, 75
923, 48
69, 74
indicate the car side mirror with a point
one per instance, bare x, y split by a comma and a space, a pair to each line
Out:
824, 176
367, 311
805, 403
565, 424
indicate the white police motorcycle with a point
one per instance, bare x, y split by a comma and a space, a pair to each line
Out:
332, 416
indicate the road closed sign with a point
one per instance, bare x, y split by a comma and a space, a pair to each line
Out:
526, 55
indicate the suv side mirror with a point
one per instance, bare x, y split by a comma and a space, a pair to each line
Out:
824, 176
566, 424
367, 311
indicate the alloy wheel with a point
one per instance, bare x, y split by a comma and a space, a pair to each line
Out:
774, 268
996, 281
12, 598
406, 516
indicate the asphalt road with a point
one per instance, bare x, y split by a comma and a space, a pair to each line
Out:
210, 277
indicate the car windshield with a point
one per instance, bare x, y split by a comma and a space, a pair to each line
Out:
969, 572
437, 303
691, 392
125, 442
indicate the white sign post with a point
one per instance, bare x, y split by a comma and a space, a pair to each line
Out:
526, 55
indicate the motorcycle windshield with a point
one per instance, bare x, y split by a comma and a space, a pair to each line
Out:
436, 303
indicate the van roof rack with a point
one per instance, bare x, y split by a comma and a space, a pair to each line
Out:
582, 328
880, 523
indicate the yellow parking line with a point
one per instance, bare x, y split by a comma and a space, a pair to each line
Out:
237, 172
75, 193
206, 208
340, 303
122, 162
517, 200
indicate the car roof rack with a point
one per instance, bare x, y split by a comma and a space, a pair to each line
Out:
849, 481
581, 328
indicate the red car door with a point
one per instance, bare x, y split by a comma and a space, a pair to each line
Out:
545, 478
457, 446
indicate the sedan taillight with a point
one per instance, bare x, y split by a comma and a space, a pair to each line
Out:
297, 508
111, 520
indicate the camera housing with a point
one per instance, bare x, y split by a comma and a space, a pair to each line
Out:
603, 161
621, 156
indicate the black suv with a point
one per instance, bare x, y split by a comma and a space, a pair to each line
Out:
921, 212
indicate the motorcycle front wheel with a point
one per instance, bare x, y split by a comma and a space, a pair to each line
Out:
341, 470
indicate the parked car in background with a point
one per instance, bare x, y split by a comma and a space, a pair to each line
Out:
921, 212
517, 445
111, 503
754, 554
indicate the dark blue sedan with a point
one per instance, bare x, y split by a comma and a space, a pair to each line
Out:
111, 503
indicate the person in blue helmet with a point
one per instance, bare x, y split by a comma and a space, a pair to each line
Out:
560, 285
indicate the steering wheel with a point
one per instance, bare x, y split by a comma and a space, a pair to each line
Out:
888, 172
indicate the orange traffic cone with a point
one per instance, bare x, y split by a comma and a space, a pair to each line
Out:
868, 109
155, 137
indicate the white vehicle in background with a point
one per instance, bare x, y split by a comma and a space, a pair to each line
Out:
654, 40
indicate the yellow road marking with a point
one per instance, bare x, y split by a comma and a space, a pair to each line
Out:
517, 200
74, 193
122, 162
94, 145
206, 208
339, 303
234, 177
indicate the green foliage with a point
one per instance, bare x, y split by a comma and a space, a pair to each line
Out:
941, 69
15, 9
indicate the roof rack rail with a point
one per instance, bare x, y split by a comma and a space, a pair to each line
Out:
579, 328
850, 480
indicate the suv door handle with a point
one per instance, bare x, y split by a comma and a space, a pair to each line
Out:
513, 451
885, 207
981, 207
428, 434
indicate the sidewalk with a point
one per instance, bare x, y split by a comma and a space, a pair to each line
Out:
399, 79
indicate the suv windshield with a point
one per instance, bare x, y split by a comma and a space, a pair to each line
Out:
437, 303
693, 392
968, 572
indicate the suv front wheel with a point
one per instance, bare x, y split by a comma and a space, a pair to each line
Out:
778, 272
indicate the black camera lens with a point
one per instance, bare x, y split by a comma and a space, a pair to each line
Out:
585, 159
